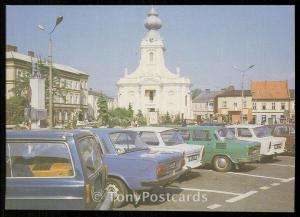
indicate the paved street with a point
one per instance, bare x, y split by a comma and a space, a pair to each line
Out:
259, 187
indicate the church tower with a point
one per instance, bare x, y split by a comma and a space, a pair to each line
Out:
152, 87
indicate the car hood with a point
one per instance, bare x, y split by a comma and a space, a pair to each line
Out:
154, 155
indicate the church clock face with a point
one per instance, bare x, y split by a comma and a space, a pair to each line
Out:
151, 40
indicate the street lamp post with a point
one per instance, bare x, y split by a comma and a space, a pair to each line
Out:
242, 86
58, 21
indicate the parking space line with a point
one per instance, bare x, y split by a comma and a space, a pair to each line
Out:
264, 188
258, 176
240, 197
205, 190
281, 165
288, 180
214, 206
275, 184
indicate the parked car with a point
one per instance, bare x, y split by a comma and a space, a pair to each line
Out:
212, 124
133, 167
287, 131
55, 170
270, 146
222, 149
165, 138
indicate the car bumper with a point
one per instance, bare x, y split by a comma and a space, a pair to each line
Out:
193, 164
250, 159
166, 180
275, 152
106, 202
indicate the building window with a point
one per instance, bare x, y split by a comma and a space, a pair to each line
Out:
235, 105
59, 115
263, 119
71, 98
224, 104
283, 106
254, 106
151, 57
273, 105
263, 106
245, 104
66, 116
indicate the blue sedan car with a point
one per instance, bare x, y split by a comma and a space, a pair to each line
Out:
132, 166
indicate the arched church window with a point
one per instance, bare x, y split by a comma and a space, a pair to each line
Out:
151, 56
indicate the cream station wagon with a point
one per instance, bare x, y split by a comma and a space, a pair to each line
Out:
270, 145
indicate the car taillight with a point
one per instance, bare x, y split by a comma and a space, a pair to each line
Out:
182, 163
87, 193
160, 170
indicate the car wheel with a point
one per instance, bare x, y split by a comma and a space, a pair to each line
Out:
222, 163
119, 191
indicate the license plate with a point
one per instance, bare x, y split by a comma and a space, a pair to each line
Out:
194, 157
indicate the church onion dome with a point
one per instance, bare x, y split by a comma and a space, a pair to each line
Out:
152, 22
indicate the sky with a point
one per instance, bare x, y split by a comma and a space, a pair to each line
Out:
204, 41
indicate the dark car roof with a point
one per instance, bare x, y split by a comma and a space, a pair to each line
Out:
104, 131
44, 134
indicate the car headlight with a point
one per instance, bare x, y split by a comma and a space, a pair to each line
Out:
182, 162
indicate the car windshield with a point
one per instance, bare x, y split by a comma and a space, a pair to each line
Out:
171, 137
125, 142
261, 132
226, 133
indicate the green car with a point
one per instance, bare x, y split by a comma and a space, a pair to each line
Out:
222, 149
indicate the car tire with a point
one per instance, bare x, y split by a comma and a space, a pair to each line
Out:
117, 187
222, 163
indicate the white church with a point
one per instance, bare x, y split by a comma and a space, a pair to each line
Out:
152, 87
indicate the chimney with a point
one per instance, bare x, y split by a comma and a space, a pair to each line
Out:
11, 48
30, 53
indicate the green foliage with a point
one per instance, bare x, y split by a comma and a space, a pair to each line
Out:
15, 109
130, 110
165, 119
119, 117
195, 92
177, 119
141, 120
104, 114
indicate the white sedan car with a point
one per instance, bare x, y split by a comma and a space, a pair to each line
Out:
165, 138
270, 145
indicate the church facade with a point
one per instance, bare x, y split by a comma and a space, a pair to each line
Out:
152, 87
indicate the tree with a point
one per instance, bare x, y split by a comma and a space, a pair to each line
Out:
103, 112
119, 117
15, 109
130, 110
195, 92
141, 120
177, 119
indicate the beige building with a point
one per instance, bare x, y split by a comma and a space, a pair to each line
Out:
71, 82
229, 105
271, 101
203, 105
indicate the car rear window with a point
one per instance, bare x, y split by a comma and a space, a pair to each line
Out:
185, 135
38, 160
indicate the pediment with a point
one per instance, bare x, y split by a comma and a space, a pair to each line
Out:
150, 80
